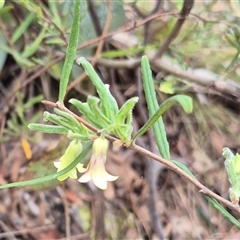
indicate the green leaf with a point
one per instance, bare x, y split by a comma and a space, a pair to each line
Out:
183, 100
232, 43
126, 108
108, 102
22, 27
123, 131
35, 118
51, 176
55, 14
167, 87
120, 53
152, 103
29, 50
223, 211
19, 59
86, 111
77, 136
71, 51
93, 104
32, 101
14, 127
31, 6
113, 103
124, 120
184, 168
71, 120
59, 120
47, 128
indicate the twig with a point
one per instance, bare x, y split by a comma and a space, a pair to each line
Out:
61, 56
144, 16
154, 10
187, 6
66, 211
26, 231
2, 146
222, 86
147, 153
136, 24
50, 21
94, 17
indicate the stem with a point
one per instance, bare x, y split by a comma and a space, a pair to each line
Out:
145, 152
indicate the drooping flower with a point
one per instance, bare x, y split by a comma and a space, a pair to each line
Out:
95, 170
72, 152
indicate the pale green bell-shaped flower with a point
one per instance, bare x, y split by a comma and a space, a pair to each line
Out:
72, 152
95, 170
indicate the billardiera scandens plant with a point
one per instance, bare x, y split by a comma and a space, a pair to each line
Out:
232, 164
104, 114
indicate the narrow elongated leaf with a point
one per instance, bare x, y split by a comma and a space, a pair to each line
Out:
19, 59
71, 51
126, 108
184, 168
61, 121
113, 103
47, 128
29, 50
223, 211
233, 43
22, 27
51, 176
124, 118
183, 100
86, 111
55, 14
71, 120
93, 104
215, 204
14, 127
47, 116
108, 102
152, 103
77, 136
32, 101
120, 53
